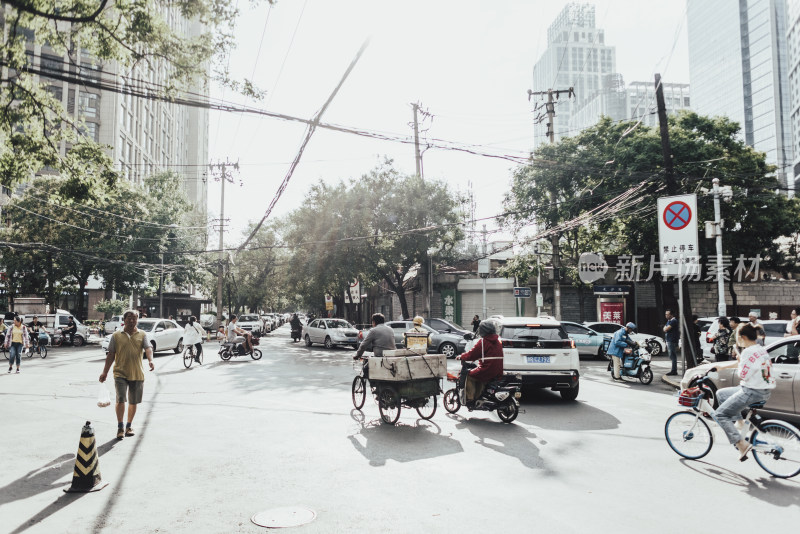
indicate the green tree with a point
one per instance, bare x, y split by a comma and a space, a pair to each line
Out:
111, 306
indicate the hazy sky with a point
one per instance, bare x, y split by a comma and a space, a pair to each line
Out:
468, 62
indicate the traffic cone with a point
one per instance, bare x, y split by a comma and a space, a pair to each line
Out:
86, 476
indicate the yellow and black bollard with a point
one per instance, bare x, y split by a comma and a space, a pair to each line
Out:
86, 476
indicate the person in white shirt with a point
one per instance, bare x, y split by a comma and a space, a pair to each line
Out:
234, 334
193, 335
791, 325
756, 383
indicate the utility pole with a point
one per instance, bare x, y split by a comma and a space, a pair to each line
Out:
721, 308
689, 357
538, 281
222, 172
484, 275
416, 140
551, 133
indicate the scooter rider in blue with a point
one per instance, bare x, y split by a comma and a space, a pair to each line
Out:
616, 348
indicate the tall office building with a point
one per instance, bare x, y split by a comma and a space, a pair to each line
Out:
576, 56
739, 68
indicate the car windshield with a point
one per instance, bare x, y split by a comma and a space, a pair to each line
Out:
605, 328
547, 333
338, 324
248, 318
145, 325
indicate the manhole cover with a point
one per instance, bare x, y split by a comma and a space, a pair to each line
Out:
284, 517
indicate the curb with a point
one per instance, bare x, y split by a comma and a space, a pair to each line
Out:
669, 380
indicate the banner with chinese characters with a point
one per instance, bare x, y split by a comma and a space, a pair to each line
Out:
450, 307
612, 312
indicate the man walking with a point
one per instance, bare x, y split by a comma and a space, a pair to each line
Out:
671, 336
125, 352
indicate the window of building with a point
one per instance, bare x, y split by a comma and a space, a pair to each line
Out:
92, 131
71, 101
87, 104
51, 64
89, 71
56, 92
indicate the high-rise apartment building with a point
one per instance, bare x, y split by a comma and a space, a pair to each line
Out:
793, 45
144, 135
577, 57
739, 68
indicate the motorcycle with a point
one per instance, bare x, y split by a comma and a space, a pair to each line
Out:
499, 395
229, 349
635, 365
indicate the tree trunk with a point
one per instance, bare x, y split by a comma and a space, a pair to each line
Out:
734, 297
79, 308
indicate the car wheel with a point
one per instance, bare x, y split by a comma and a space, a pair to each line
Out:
328, 342
656, 349
308, 341
179, 348
601, 354
570, 394
153, 343
448, 349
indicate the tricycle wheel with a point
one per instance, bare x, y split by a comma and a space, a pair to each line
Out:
389, 405
359, 392
451, 401
428, 409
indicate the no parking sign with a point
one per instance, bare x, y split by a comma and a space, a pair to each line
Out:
677, 235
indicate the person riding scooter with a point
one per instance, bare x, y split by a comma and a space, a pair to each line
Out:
234, 334
488, 351
621, 345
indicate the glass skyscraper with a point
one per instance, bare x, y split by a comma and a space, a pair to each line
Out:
739, 68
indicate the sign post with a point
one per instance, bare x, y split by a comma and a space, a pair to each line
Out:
522, 292
678, 248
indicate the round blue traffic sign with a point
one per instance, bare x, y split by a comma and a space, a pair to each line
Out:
677, 215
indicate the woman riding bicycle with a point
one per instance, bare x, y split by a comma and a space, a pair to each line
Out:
754, 370
193, 335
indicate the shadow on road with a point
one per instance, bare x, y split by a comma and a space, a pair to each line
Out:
775, 491
509, 439
546, 409
379, 442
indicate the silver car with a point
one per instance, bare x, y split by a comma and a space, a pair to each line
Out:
785, 398
330, 332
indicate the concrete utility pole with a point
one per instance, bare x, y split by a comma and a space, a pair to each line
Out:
222, 174
486, 275
672, 189
551, 133
721, 308
416, 140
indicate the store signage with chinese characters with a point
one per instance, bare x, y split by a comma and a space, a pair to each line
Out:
450, 311
612, 312
677, 235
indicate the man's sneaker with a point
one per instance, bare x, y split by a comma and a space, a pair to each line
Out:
128, 432
120, 433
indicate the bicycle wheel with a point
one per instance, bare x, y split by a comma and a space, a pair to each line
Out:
389, 405
188, 357
688, 435
43, 351
451, 401
427, 410
776, 448
359, 392
256, 355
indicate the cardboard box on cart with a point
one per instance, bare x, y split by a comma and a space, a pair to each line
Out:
404, 364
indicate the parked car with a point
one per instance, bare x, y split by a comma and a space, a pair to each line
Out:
610, 328
785, 398
330, 332
209, 322
163, 334
774, 328
112, 324
250, 323
587, 341
443, 326
441, 343
540, 351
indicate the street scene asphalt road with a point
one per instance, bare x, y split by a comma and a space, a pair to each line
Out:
220, 442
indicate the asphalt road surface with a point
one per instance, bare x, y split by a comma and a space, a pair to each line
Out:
220, 442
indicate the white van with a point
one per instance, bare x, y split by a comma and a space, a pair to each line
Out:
59, 320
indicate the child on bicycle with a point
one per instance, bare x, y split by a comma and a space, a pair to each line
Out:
754, 369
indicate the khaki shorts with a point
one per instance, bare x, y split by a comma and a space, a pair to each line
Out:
124, 386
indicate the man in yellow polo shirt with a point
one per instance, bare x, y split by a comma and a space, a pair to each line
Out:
125, 352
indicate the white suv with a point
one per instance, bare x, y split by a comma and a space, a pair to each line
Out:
539, 350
